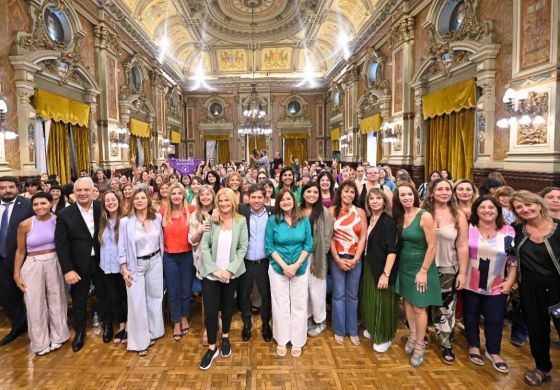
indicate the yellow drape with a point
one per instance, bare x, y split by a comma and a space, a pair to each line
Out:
82, 147
139, 128
363, 146
223, 151
215, 137
175, 137
296, 144
335, 134
371, 123
450, 144
379, 147
58, 152
451, 99
257, 142
132, 150
60, 109
335, 145
146, 149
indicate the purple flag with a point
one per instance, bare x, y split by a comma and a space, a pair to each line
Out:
184, 167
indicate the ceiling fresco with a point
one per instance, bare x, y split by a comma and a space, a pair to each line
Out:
288, 34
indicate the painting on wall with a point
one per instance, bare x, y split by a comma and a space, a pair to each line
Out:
231, 60
535, 31
398, 82
112, 110
276, 58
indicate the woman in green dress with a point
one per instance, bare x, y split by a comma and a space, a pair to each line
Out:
418, 281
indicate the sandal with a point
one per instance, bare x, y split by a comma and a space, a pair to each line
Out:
339, 339
143, 353
281, 350
536, 377
124, 339
417, 358
355, 340
447, 355
476, 358
184, 331
152, 343
498, 366
296, 351
118, 337
409, 345
177, 336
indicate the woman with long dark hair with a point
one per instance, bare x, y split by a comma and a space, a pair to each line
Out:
326, 184
321, 228
347, 246
213, 180
417, 281
288, 181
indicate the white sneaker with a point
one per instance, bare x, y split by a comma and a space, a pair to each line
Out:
44, 351
381, 347
55, 346
366, 334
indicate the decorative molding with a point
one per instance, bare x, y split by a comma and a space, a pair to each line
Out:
105, 39
402, 32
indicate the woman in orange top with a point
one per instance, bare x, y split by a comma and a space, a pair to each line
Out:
177, 258
347, 246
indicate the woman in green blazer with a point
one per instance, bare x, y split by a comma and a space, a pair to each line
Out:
223, 250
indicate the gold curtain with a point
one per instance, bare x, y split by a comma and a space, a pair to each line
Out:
58, 152
223, 151
51, 106
146, 149
175, 137
450, 144
363, 146
296, 144
371, 123
132, 150
81, 146
335, 139
451, 99
257, 142
215, 137
139, 128
379, 147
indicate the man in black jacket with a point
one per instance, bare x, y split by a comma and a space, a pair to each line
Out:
77, 247
13, 210
256, 263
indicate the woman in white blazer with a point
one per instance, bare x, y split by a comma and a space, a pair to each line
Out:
140, 257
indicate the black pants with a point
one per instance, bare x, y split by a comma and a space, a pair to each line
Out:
116, 295
537, 294
80, 292
255, 272
493, 308
11, 297
218, 296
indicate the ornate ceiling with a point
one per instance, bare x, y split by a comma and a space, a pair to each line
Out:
217, 34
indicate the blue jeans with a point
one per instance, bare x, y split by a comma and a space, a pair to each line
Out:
178, 271
345, 298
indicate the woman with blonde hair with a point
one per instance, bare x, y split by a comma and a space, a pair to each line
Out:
234, 181
140, 250
223, 251
177, 258
126, 205
288, 244
537, 246
465, 193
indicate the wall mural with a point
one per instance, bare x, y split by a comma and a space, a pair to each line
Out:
535, 33
231, 60
276, 59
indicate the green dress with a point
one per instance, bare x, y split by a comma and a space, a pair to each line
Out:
411, 257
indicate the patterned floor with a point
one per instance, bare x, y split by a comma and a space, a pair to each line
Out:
255, 365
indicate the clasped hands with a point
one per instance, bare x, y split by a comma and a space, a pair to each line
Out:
290, 270
347, 264
223, 276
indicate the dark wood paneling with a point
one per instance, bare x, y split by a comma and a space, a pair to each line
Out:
521, 180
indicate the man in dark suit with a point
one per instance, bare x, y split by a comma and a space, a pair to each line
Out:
13, 210
77, 247
256, 263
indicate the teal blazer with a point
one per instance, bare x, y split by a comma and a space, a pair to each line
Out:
239, 244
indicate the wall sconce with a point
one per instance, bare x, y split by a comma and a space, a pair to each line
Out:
525, 108
5, 132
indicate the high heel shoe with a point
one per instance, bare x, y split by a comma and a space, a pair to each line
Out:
417, 358
409, 345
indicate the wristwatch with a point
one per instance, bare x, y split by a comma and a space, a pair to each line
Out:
387, 274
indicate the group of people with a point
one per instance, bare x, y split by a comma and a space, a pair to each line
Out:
275, 234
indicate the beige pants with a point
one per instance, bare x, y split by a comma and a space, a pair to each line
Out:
45, 299
317, 306
289, 308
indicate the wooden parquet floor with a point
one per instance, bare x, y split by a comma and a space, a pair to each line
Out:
255, 365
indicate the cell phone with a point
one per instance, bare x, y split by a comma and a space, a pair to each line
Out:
555, 311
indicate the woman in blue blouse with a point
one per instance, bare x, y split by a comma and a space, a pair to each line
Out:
288, 243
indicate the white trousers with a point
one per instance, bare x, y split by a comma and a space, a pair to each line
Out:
144, 297
317, 305
45, 300
289, 308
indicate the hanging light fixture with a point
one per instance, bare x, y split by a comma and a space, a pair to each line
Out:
253, 111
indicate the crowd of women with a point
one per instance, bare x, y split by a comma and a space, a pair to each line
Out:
450, 250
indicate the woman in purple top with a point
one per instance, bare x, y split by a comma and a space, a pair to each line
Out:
326, 184
40, 278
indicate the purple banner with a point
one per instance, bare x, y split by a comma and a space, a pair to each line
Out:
184, 167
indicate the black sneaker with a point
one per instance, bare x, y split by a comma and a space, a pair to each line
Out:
226, 347
208, 358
